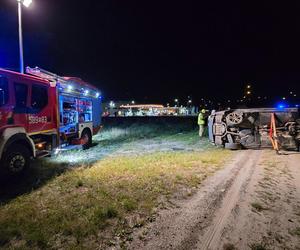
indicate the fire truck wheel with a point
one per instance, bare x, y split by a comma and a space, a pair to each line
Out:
16, 159
87, 136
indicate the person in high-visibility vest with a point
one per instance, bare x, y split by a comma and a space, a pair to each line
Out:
201, 122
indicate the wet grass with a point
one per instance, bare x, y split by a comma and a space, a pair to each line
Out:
85, 206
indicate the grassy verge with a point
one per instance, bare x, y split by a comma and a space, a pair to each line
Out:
88, 207
131, 132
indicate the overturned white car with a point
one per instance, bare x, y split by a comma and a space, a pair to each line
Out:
251, 128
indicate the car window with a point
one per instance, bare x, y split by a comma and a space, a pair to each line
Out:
3, 90
39, 97
21, 92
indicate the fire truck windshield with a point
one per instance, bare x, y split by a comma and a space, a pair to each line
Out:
3, 91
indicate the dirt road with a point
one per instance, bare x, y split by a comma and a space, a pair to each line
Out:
253, 203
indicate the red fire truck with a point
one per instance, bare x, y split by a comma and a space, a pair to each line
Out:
42, 113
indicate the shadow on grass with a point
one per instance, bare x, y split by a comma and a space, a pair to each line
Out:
42, 171
33, 178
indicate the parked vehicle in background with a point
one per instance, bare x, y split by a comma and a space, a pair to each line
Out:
250, 128
42, 113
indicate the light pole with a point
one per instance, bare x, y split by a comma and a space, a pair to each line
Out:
26, 3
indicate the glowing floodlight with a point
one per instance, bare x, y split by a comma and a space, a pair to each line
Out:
27, 3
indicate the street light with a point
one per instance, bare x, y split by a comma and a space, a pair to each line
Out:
176, 102
26, 3
112, 104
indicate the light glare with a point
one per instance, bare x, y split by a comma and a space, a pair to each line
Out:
27, 3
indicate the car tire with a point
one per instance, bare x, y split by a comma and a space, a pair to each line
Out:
232, 146
15, 161
86, 134
234, 118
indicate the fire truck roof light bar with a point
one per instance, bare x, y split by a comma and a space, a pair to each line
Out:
44, 74
66, 85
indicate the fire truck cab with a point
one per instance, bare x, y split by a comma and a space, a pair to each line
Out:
42, 113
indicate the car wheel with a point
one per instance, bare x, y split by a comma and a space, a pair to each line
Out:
87, 138
232, 146
16, 160
234, 118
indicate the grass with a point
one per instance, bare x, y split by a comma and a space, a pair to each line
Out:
136, 139
296, 232
258, 246
229, 246
144, 130
258, 207
86, 206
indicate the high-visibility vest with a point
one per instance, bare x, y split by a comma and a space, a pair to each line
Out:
201, 120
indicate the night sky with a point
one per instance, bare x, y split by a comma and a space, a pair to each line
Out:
155, 51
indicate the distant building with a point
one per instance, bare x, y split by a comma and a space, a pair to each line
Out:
124, 108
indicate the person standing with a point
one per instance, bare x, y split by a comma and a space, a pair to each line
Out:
201, 122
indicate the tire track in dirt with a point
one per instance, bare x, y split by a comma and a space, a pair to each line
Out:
212, 237
267, 213
197, 223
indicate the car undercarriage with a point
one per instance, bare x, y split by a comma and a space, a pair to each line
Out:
251, 128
